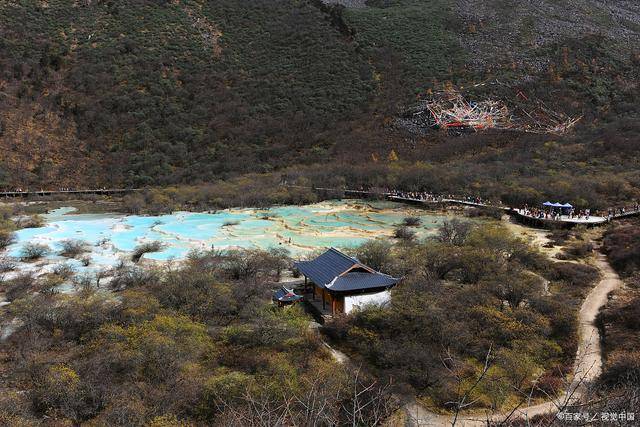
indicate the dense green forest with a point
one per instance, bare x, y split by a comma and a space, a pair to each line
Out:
148, 92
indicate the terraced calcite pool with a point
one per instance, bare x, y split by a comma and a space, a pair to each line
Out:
297, 228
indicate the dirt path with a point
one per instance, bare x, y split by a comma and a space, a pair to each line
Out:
587, 367
589, 358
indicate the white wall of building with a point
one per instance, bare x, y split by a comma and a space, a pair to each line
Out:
359, 301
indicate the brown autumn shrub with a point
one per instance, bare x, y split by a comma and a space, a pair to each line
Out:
6, 239
622, 368
577, 275
622, 246
576, 250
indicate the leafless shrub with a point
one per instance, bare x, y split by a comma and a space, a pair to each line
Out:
404, 233
71, 248
146, 248
411, 221
64, 271
19, 286
34, 251
454, 231
83, 282
126, 277
345, 399
7, 264
6, 239
579, 275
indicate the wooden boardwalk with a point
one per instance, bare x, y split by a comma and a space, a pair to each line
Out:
98, 191
563, 220
518, 214
569, 221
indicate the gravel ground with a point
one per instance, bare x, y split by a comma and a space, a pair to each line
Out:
493, 29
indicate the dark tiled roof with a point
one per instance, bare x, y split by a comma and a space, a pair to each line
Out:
326, 267
285, 295
329, 271
361, 280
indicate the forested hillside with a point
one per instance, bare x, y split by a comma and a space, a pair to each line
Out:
157, 92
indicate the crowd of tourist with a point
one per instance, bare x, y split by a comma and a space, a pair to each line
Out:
416, 195
26, 190
546, 213
556, 214
611, 212
430, 197
59, 190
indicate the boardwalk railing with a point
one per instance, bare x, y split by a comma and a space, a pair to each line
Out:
102, 191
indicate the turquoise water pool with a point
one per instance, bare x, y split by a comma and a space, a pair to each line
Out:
299, 229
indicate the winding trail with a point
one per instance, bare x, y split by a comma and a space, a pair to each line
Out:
587, 366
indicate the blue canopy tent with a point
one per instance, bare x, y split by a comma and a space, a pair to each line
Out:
564, 208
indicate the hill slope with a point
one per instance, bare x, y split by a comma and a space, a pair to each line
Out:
159, 92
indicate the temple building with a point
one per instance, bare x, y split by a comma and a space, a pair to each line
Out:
343, 283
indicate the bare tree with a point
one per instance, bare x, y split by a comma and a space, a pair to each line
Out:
370, 402
464, 400
347, 398
454, 231
575, 397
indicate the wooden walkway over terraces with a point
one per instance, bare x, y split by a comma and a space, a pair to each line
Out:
518, 214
